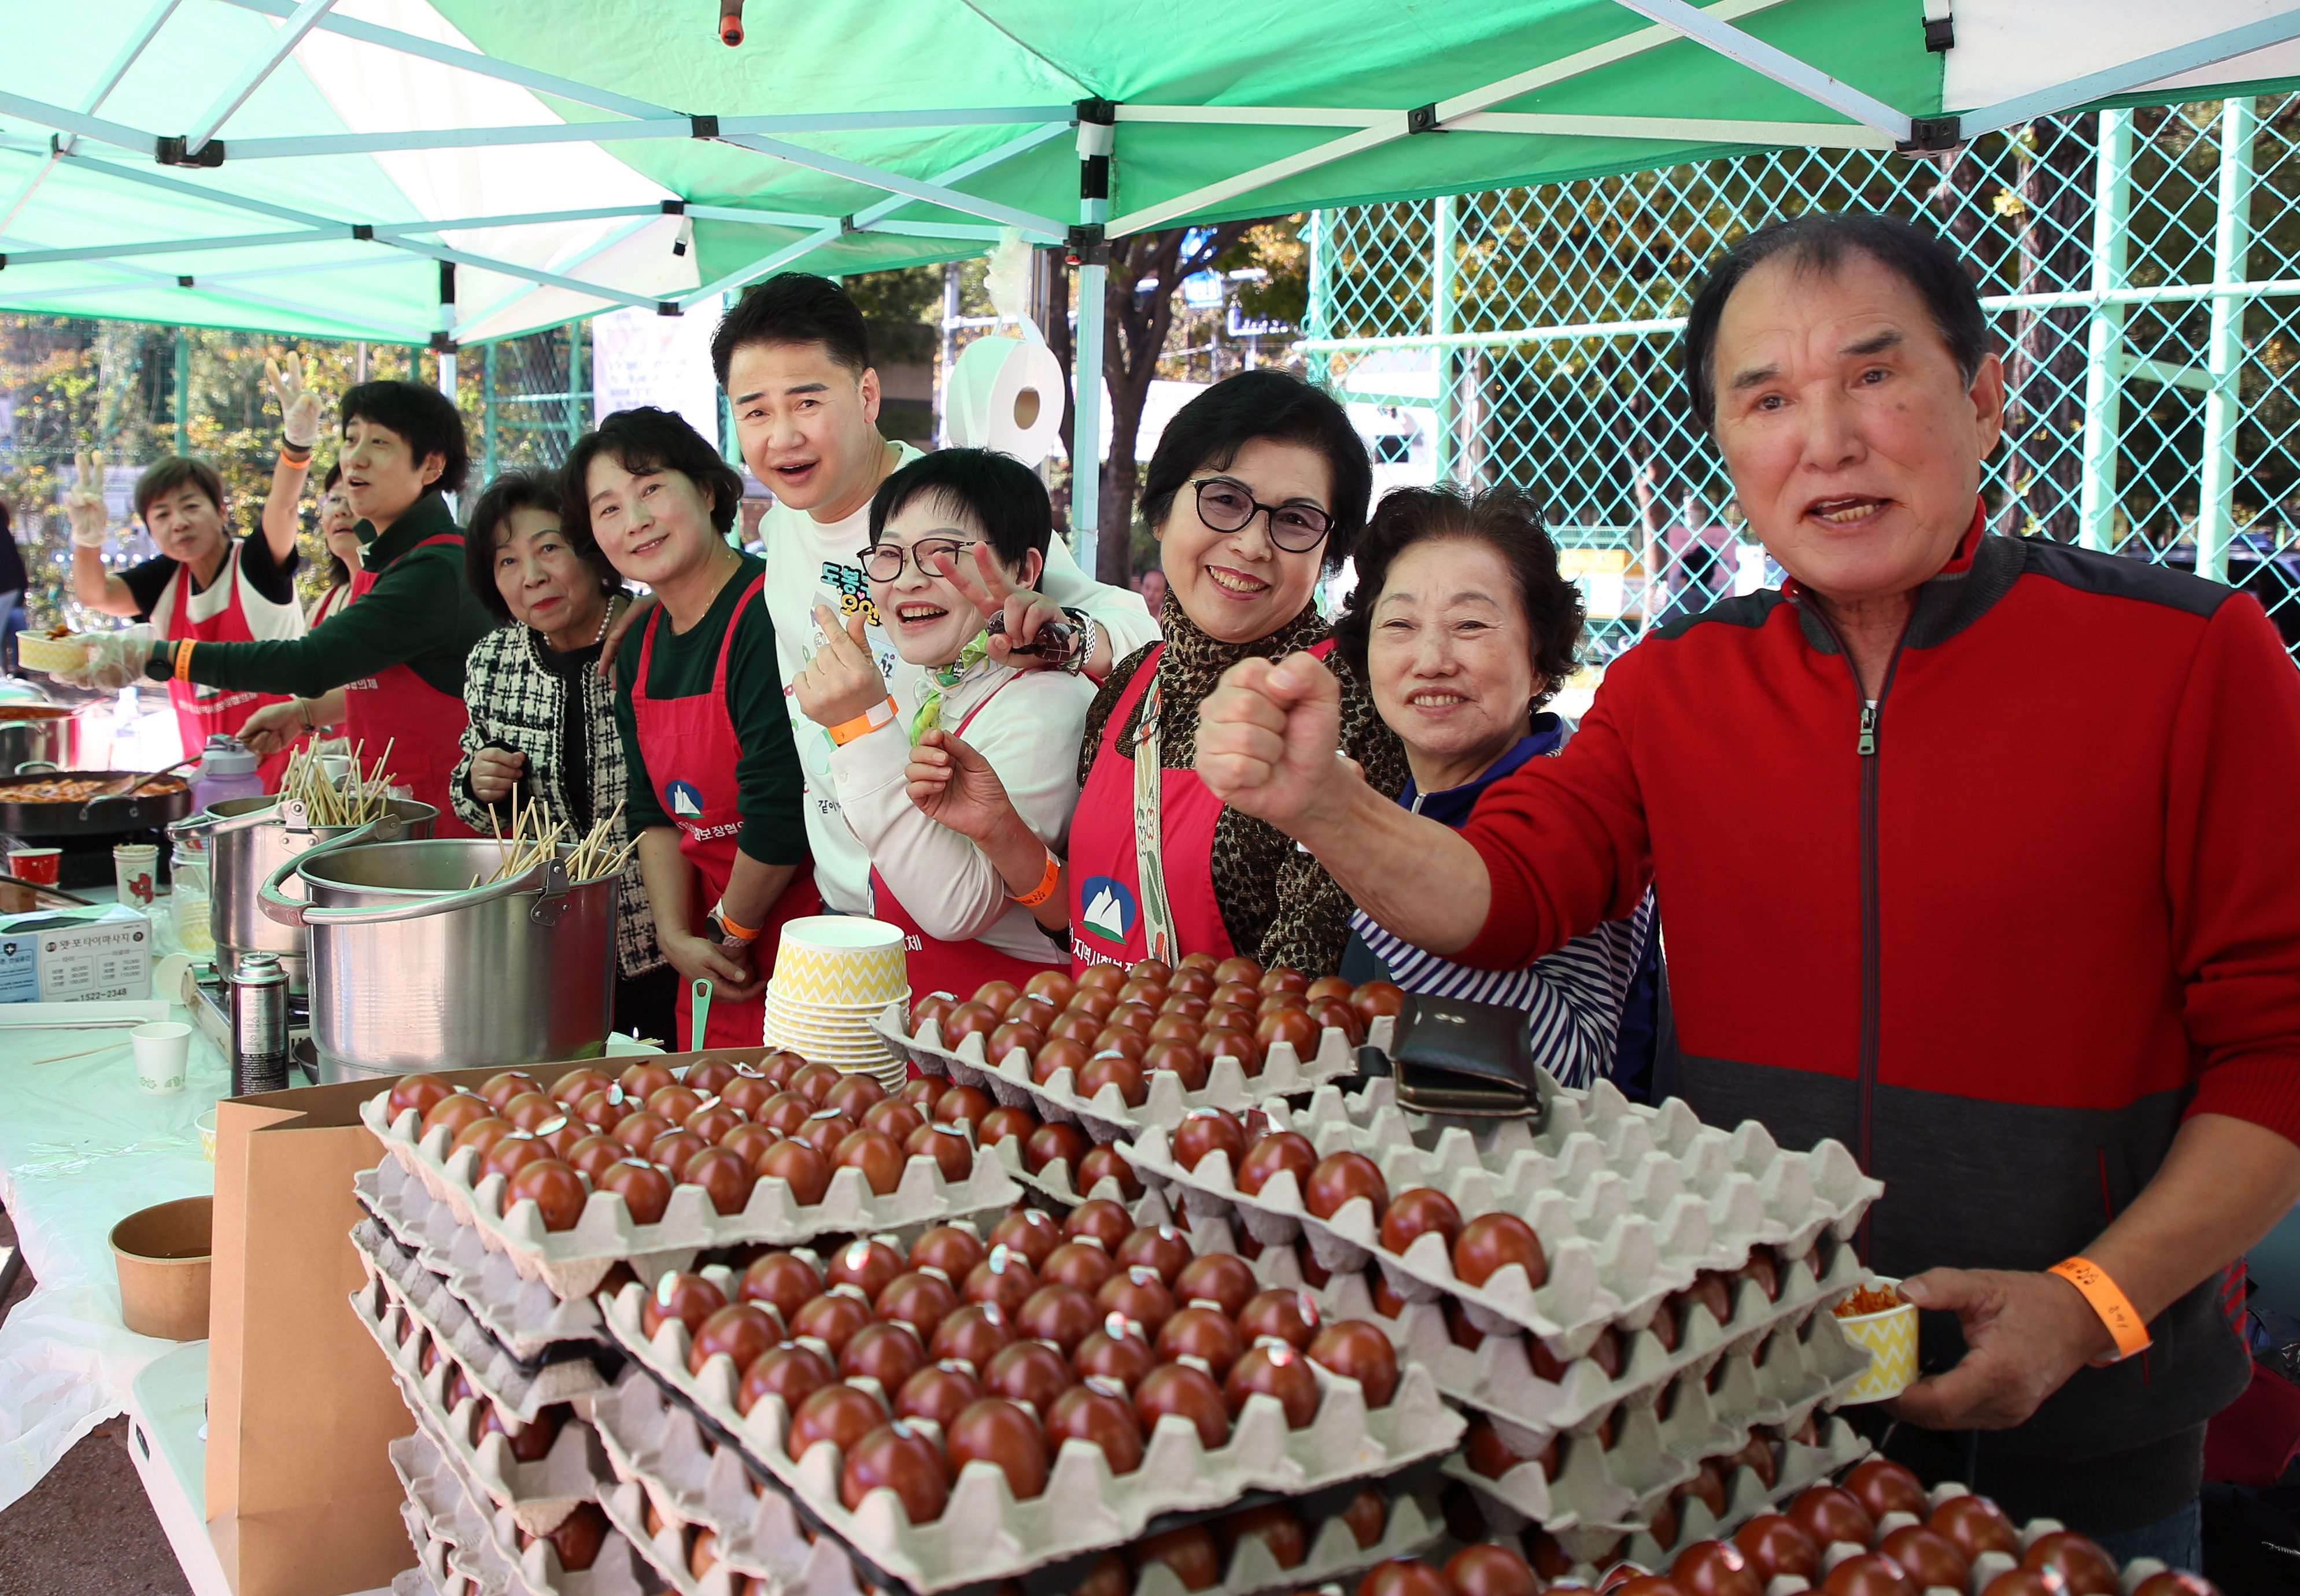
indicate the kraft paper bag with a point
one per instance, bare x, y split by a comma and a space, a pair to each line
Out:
301, 1498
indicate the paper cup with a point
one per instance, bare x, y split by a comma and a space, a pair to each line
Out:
840, 958
1891, 1338
161, 1052
135, 867
206, 1126
39, 866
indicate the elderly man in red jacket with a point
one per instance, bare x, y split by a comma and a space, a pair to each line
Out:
1980, 854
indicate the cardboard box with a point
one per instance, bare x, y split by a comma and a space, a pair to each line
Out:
302, 1500
99, 954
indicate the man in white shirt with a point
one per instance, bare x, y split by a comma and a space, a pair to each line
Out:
795, 359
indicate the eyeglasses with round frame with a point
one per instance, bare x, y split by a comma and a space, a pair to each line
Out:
883, 561
1226, 505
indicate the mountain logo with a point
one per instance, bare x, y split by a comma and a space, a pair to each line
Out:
1110, 912
683, 801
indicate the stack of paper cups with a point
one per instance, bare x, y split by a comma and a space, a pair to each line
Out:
833, 974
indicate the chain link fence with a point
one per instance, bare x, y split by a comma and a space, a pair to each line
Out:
2141, 273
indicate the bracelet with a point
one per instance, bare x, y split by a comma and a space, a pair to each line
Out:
184, 660
1046, 884
295, 453
2108, 1300
303, 711
865, 723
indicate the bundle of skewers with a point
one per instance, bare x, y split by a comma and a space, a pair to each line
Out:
531, 842
361, 795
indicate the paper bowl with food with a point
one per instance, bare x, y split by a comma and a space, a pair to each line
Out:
1878, 1317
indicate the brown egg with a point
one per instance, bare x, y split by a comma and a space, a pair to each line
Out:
1974, 1524
1116, 1354
421, 1093
689, 1299
1830, 1515
1177, 1021
455, 1111
1276, 1525
1871, 1574
1078, 1027
1110, 1070
973, 1334
1012, 1036
952, 1250
709, 1075
2174, 1582
1222, 1039
892, 1117
1160, 1247
1367, 1516
1291, 1026
935, 1007
947, 1146
937, 1393
579, 1537
2078, 1560
572, 1088
1007, 1119
674, 1148
1222, 1278
1204, 1333
1105, 1162
1278, 1371
1927, 1557
1883, 1486
1757, 1454
889, 1354
1202, 1131
741, 1331
865, 1264
554, 1188
642, 1080
1374, 999
833, 1319
841, 1415
785, 1112
1138, 1296
1030, 1232
971, 1019
1708, 1486
1357, 1351
749, 1095
1491, 1243
674, 1102
963, 1105
1128, 1020
500, 1089
1005, 1278
1178, 1388
1486, 1452
1715, 1568
920, 1300
1060, 1314
483, 1135
723, 1176
1414, 1213
713, 1121
749, 1142
1052, 1144
824, 1130
1279, 1149
2027, 1582
878, 1155
1053, 984
1107, 1422
798, 1166
1485, 1569
1777, 1544
997, 1431
1290, 1316
1101, 1221
1404, 1577
644, 1189
1081, 1263
897, 1458
789, 1371
1058, 1053
1097, 986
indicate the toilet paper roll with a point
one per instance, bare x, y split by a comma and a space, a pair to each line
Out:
1006, 394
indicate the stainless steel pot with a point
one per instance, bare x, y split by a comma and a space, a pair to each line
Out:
247, 840
36, 737
413, 968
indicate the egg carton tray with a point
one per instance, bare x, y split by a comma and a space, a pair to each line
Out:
1497, 1377
1106, 1116
523, 1313
425, 1300
1056, 1183
663, 1454
417, 1581
983, 1534
1616, 1244
573, 1262
540, 1494
457, 1536
827, 1572
1781, 1386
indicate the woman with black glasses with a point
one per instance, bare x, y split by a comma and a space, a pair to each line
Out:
1257, 489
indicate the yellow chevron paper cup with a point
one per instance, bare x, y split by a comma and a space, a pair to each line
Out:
843, 960
1891, 1337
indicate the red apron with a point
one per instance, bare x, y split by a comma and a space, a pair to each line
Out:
200, 712
690, 750
422, 726
953, 966
1106, 884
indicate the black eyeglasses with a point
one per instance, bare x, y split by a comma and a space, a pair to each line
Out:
1225, 506
883, 561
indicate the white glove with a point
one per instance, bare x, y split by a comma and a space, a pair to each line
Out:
84, 501
299, 407
112, 659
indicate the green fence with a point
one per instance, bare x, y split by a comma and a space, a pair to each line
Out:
2141, 272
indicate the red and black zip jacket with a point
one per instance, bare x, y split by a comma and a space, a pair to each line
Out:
1998, 932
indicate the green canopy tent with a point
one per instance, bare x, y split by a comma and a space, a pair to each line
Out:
453, 171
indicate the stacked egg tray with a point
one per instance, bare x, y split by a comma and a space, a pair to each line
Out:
1630, 1202
573, 1262
525, 1316
462, 1548
417, 1582
668, 1459
1107, 1117
561, 1371
983, 1533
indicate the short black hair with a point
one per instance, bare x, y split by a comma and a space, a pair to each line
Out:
1817, 242
794, 307
171, 472
647, 439
1004, 495
338, 573
421, 415
1211, 428
1505, 520
522, 490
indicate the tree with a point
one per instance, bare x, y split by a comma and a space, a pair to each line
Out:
2045, 375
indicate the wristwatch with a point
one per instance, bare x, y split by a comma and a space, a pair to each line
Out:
728, 933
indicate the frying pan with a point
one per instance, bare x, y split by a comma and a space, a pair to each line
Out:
146, 810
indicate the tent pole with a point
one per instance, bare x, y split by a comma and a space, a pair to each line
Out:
251, 77
1086, 409
2223, 408
1446, 452
2104, 412
487, 413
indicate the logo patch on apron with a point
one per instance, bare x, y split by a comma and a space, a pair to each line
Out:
683, 801
1110, 910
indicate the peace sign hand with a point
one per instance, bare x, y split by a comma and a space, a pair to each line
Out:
84, 500
299, 407
842, 680
1023, 609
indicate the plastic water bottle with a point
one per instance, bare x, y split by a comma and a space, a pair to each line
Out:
227, 770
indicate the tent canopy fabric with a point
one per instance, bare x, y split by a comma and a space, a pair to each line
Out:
571, 159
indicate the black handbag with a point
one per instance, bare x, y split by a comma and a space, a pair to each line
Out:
1451, 1056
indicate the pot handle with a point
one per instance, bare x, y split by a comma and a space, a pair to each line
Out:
278, 905
37, 767
548, 881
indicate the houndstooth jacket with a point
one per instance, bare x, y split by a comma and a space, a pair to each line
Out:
514, 698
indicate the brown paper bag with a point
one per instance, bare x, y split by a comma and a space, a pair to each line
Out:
301, 1498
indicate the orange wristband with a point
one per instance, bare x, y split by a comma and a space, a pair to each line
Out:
1046, 885
2108, 1300
865, 723
184, 660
